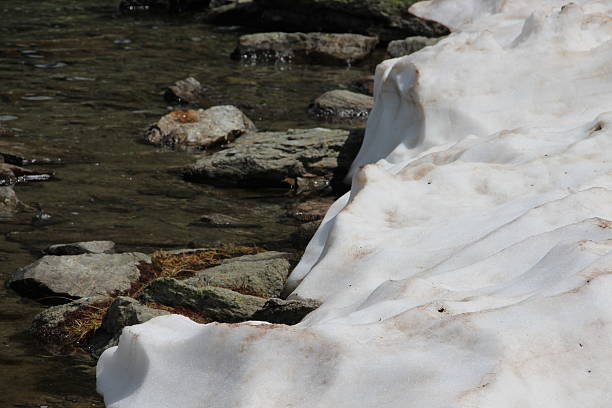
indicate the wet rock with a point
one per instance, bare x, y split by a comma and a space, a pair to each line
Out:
270, 158
241, 12
23, 154
388, 19
342, 104
305, 47
363, 85
185, 91
11, 174
304, 233
311, 210
215, 220
78, 248
9, 203
281, 311
48, 326
61, 278
262, 275
123, 312
160, 6
218, 304
198, 129
399, 48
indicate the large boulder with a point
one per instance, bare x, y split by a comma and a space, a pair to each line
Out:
123, 312
305, 47
262, 275
61, 278
407, 46
199, 129
342, 104
218, 304
388, 19
270, 158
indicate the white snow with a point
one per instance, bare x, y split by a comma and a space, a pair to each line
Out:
471, 263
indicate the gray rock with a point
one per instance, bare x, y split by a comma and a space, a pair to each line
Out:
399, 48
342, 104
198, 129
9, 203
218, 304
185, 91
123, 312
78, 248
304, 47
76, 276
271, 158
363, 85
48, 325
286, 311
262, 275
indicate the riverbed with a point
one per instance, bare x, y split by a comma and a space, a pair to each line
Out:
80, 82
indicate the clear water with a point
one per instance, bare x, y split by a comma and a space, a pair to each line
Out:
80, 82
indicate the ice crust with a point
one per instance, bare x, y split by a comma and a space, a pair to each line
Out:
471, 263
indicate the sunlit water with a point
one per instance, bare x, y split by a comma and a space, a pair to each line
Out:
80, 82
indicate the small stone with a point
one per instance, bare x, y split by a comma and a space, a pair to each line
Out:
290, 311
78, 248
185, 91
342, 104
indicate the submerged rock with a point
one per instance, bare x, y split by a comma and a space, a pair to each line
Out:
199, 129
290, 311
241, 12
270, 158
185, 91
399, 48
124, 311
342, 104
218, 304
305, 47
262, 275
78, 248
9, 203
73, 276
161, 6
304, 233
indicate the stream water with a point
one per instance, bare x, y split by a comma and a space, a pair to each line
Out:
79, 82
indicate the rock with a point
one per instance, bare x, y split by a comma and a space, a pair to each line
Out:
215, 220
199, 129
363, 85
342, 104
241, 12
304, 233
76, 276
160, 6
305, 47
185, 91
270, 158
9, 203
124, 311
399, 48
48, 326
388, 19
11, 174
281, 311
218, 304
78, 248
311, 210
262, 275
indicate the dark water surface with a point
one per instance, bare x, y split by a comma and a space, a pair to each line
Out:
80, 82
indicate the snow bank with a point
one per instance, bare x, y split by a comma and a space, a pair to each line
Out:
471, 264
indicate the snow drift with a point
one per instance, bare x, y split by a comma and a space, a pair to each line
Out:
471, 263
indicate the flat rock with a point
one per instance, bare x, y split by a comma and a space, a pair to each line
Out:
11, 174
262, 275
342, 104
270, 158
76, 276
399, 48
218, 304
199, 129
185, 91
78, 248
123, 312
290, 311
305, 47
